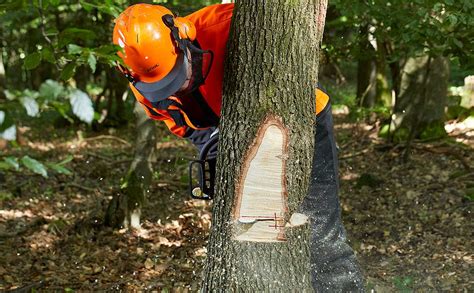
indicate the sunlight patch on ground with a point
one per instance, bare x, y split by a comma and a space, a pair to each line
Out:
14, 214
41, 146
464, 130
349, 176
41, 239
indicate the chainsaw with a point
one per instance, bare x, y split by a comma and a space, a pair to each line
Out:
206, 170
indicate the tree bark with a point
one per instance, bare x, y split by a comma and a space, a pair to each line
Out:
2, 76
423, 93
269, 88
366, 71
383, 95
125, 208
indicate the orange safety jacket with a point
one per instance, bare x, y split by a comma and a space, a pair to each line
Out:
201, 109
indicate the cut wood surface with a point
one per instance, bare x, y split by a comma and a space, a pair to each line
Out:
261, 194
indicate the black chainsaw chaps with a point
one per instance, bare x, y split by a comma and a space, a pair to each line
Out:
334, 267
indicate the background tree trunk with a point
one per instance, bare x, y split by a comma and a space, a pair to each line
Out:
125, 208
383, 95
271, 73
2, 76
423, 92
366, 71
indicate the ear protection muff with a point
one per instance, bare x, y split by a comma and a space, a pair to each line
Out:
181, 28
186, 28
183, 33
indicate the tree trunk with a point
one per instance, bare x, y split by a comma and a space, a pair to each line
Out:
383, 93
258, 240
2, 77
125, 208
116, 86
419, 108
366, 71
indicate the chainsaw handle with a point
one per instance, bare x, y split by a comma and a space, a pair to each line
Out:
202, 191
206, 170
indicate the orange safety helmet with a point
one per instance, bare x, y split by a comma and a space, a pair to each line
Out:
151, 39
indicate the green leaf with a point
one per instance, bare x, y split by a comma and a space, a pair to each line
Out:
458, 43
109, 49
63, 109
5, 195
32, 61
30, 105
34, 165
92, 62
73, 34
5, 166
47, 55
74, 49
2, 116
453, 19
87, 6
51, 89
82, 106
12, 162
9, 133
60, 169
66, 160
68, 71
54, 3
6, 120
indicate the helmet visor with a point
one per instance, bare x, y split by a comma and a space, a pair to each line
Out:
168, 86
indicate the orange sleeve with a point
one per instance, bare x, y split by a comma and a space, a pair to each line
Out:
175, 129
160, 115
322, 100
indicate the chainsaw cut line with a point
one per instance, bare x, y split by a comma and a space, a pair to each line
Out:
261, 194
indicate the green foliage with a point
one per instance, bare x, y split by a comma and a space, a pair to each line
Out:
469, 194
82, 105
59, 167
403, 283
32, 61
14, 164
400, 135
407, 28
5, 195
433, 131
367, 179
342, 95
34, 166
384, 131
360, 113
64, 99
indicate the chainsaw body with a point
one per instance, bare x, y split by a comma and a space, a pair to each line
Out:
203, 170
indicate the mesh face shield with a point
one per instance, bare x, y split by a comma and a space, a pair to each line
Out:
201, 62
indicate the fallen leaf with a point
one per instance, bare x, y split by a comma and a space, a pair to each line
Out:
8, 279
149, 263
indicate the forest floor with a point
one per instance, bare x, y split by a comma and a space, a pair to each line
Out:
409, 223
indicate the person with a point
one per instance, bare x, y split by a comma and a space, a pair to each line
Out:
175, 66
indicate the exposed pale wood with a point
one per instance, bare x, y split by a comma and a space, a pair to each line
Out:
297, 219
261, 194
